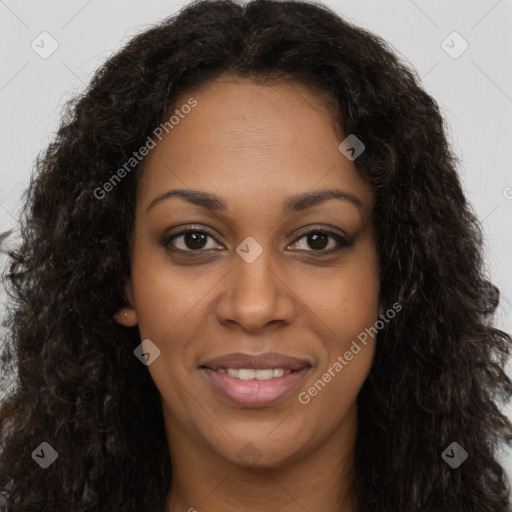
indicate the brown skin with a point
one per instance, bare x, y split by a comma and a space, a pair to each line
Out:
255, 146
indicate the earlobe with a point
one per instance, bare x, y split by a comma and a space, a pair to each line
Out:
127, 316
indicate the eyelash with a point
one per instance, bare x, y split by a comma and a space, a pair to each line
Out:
341, 241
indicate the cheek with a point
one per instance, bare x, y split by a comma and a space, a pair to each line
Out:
168, 299
349, 348
346, 296
332, 394
168, 303
348, 308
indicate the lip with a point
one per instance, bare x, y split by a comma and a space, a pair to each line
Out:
258, 362
255, 393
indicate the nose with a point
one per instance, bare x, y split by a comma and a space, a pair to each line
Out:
256, 294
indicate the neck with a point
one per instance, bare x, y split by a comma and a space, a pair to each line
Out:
317, 478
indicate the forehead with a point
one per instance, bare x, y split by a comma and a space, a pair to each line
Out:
253, 144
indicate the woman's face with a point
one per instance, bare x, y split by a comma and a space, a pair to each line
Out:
248, 280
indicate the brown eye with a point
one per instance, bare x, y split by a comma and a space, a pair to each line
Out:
194, 240
318, 240
189, 240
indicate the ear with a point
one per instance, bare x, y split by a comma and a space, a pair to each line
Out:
127, 316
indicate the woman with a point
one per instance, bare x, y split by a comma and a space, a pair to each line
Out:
250, 280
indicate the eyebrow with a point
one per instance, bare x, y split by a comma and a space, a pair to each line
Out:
293, 203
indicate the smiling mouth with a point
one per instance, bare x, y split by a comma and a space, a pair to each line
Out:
255, 374
254, 388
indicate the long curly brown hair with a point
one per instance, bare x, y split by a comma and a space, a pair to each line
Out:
438, 371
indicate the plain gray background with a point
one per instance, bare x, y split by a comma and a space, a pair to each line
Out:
468, 73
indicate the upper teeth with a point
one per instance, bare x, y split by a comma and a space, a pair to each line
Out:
250, 373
